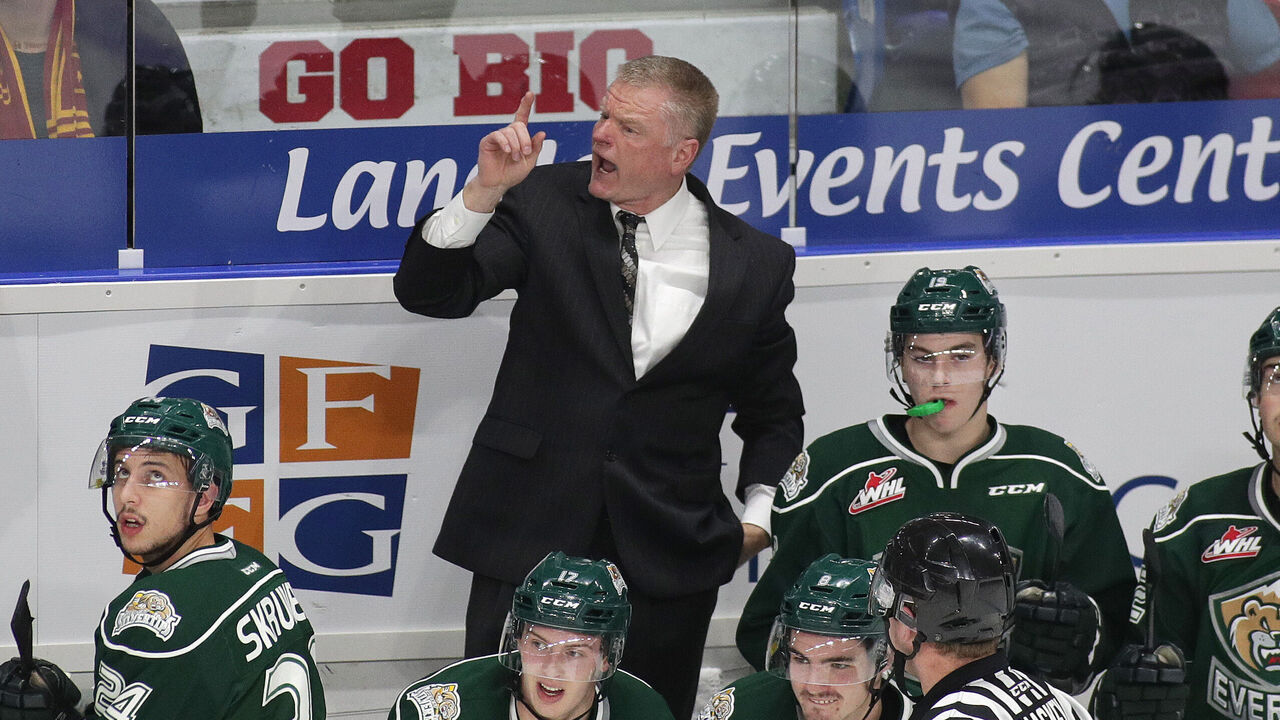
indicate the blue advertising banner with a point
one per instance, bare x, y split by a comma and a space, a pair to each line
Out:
63, 205
1129, 173
303, 195
867, 182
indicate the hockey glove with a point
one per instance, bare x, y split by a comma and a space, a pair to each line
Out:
1054, 633
44, 693
1143, 684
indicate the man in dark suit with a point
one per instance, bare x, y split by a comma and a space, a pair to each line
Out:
602, 435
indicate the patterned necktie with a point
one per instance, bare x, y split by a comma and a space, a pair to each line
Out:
630, 259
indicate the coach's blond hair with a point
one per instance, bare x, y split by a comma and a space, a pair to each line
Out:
694, 103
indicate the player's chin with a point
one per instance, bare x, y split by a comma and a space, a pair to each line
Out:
140, 547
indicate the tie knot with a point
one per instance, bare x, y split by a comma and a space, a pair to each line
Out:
630, 221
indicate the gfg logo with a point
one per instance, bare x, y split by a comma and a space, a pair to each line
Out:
338, 532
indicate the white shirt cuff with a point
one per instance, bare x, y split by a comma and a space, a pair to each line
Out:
454, 226
759, 506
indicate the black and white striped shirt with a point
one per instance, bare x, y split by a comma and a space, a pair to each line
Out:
988, 689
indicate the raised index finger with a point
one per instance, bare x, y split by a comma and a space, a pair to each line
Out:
526, 105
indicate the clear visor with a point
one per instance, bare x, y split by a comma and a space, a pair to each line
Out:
558, 654
923, 366
143, 462
1268, 382
884, 600
817, 659
881, 596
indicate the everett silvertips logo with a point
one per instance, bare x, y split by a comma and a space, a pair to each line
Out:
439, 701
881, 488
1167, 514
796, 478
1245, 670
150, 609
719, 707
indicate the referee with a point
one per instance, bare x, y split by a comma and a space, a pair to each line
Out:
945, 582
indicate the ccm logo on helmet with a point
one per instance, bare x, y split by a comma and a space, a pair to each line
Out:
937, 307
817, 608
141, 419
560, 602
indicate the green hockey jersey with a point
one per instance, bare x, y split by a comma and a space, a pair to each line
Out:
1217, 593
764, 696
852, 489
480, 689
218, 635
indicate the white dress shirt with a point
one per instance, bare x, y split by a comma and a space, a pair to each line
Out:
673, 244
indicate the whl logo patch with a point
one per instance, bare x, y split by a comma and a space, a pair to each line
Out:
1234, 543
880, 489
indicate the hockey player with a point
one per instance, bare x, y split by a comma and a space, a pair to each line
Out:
851, 489
945, 584
558, 659
827, 655
209, 629
1211, 582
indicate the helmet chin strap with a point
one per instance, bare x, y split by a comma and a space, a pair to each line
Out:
876, 689
900, 665
1257, 439
987, 387
168, 550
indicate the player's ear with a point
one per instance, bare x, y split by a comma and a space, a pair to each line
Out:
207, 498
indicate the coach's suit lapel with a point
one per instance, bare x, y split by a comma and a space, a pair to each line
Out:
600, 237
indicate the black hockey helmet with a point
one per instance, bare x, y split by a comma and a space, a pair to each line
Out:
953, 572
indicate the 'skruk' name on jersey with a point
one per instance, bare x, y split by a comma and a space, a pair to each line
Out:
275, 614
1234, 543
880, 489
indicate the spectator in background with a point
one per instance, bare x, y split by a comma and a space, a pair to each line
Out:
1152, 63
1017, 53
1262, 84
63, 68
902, 55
